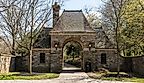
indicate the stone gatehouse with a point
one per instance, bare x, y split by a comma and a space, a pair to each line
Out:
72, 25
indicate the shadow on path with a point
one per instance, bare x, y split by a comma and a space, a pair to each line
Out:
70, 68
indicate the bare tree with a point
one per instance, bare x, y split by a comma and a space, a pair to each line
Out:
9, 23
92, 17
22, 20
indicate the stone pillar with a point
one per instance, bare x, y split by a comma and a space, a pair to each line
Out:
89, 58
56, 60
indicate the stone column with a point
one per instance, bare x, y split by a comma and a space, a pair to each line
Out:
56, 60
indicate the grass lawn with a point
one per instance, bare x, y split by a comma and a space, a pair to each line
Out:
133, 79
104, 76
27, 76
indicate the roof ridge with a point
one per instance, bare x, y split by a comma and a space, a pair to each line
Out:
72, 10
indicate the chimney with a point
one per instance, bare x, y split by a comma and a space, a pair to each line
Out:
56, 9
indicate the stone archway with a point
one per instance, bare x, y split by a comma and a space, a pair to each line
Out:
75, 39
59, 39
71, 41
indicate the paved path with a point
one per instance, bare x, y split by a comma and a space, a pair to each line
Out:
80, 77
76, 77
68, 67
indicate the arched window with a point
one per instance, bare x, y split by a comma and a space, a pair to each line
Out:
42, 57
103, 58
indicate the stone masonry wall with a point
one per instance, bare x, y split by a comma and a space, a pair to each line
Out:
89, 57
36, 65
52, 61
138, 65
5, 62
56, 60
94, 57
111, 59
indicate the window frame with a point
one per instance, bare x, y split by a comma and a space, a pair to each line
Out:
103, 58
42, 58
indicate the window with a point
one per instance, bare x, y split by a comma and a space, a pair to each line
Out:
42, 57
103, 58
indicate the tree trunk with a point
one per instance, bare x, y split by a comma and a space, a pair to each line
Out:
13, 44
73, 57
31, 38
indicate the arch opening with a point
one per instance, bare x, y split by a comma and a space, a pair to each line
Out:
72, 57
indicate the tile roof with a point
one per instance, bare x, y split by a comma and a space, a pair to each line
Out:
72, 21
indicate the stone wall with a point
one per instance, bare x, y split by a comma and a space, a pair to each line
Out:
36, 65
56, 61
89, 59
111, 59
134, 64
82, 38
21, 63
52, 61
138, 65
94, 57
6, 64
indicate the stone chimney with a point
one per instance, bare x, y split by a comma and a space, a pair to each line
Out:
56, 9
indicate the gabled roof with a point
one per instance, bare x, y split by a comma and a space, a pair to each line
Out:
72, 21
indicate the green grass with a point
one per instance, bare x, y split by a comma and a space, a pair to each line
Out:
133, 79
27, 76
101, 75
